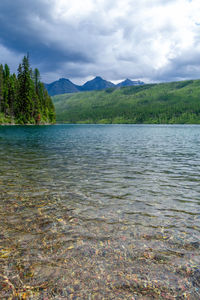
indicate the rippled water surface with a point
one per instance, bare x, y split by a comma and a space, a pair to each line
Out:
100, 212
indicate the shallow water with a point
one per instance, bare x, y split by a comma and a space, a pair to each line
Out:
100, 212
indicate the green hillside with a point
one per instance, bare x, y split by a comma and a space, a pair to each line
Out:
165, 103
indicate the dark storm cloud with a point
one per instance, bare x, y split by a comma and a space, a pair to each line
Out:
30, 26
23, 24
15, 16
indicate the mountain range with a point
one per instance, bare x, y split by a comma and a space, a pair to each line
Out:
64, 86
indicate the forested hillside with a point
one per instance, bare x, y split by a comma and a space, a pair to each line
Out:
23, 98
166, 103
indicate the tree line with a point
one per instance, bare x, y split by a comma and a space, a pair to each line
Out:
23, 97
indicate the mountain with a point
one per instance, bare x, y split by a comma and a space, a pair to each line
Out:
164, 103
97, 83
61, 86
64, 86
129, 82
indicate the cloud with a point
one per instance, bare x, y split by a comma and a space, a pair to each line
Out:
153, 39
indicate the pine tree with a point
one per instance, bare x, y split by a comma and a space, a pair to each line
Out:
12, 95
25, 91
24, 98
36, 79
6, 78
1, 88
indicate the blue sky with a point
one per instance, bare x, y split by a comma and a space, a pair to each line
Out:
150, 40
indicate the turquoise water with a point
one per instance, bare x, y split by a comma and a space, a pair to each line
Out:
100, 212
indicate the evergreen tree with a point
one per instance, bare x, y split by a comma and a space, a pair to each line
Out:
24, 98
1, 88
6, 79
36, 79
12, 95
25, 91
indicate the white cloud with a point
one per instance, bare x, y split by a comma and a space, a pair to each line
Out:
116, 39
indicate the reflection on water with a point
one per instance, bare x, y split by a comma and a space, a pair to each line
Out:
100, 212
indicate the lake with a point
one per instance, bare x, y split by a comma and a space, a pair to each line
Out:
100, 212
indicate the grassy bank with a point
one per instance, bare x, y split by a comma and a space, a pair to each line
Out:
4, 120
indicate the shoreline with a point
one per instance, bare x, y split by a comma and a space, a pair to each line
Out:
14, 124
48, 124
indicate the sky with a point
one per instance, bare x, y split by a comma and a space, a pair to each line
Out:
150, 40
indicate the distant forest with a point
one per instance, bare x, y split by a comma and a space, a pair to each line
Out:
164, 103
23, 98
